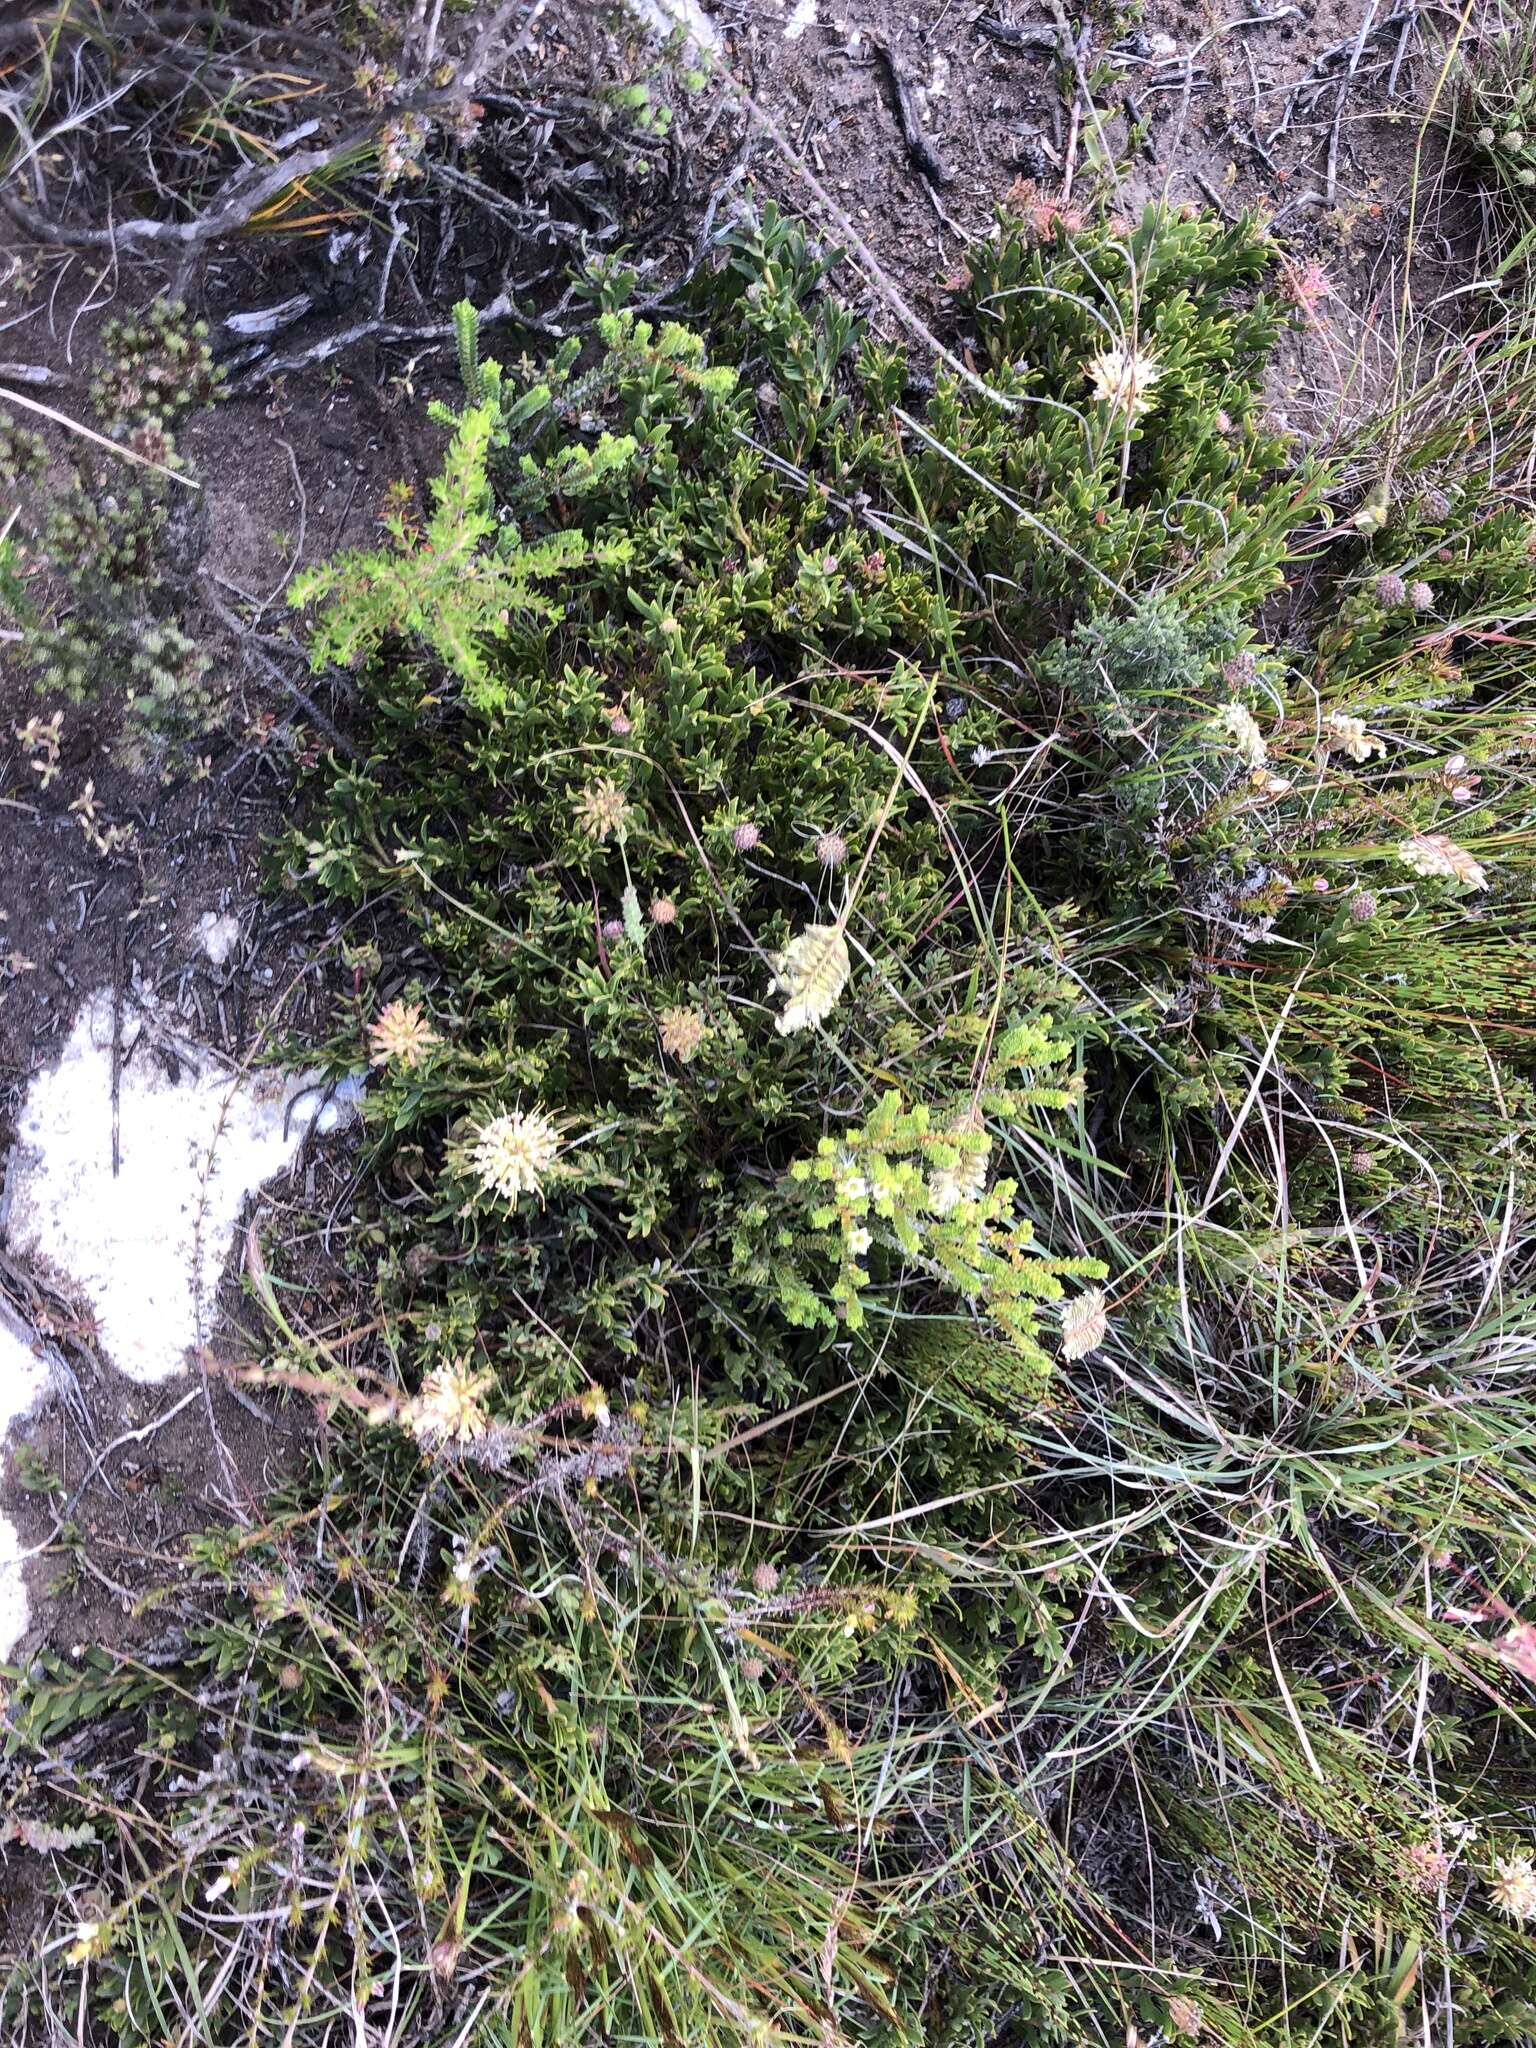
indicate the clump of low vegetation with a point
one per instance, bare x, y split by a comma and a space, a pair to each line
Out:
1495, 122
157, 370
91, 585
947, 1457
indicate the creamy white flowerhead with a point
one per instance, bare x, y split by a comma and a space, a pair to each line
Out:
812, 972
1084, 1324
1512, 1887
1345, 734
1123, 378
1238, 726
450, 1407
514, 1152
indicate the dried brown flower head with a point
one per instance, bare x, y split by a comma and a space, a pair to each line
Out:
683, 1031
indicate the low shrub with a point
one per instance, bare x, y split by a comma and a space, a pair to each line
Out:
948, 1458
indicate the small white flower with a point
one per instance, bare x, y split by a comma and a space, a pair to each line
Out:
1238, 726
1084, 1324
1123, 378
858, 1241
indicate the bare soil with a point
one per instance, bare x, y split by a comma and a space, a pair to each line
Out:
289, 474
1308, 114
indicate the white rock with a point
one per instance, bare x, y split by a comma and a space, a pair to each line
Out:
802, 17
218, 936
341, 1105
663, 16
146, 1250
24, 1379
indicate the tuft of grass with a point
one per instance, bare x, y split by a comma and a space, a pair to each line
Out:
1494, 116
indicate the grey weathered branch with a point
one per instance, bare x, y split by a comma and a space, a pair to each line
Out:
242, 198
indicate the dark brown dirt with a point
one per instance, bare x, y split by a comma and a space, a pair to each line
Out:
289, 474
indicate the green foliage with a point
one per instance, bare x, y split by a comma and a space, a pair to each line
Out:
170, 702
85, 566
158, 370
481, 380
1494, 120
537, 1831
875, 863
13, 592
437, 585
1198, 490
926, 1189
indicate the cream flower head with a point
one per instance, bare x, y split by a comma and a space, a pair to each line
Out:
1123, 378
1240, 729
1345, 734
400, 1032
1084, 1324
602, 809
449, 1408
1512, 1888
514, 1152
812, 971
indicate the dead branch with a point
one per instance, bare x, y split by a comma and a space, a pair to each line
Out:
1042, 37
919, 148
245, 195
